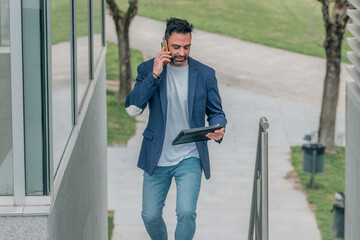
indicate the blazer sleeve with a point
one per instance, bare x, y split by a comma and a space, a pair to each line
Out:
214, 111
144, 88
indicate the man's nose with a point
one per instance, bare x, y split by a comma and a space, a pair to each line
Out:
182, 52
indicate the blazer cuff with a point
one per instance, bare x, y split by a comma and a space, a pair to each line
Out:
133, 110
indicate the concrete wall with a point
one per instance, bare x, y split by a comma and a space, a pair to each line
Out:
23, 228
80, 208
352, 170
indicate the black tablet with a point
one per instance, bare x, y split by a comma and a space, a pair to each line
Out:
195, 134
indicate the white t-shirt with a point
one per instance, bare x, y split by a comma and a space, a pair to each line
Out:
177, 82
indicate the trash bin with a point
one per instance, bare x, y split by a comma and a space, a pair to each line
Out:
313, 152
339, 216
313, 160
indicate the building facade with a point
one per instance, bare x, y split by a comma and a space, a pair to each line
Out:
352, 161
53, 181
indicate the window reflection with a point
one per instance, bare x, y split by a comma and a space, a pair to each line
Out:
83, 78
6, 161
97, 20
33, 97
61, 77
4, 23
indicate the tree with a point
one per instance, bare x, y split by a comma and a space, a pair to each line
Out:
122, 23
335, 29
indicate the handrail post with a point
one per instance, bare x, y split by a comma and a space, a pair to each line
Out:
259, 215
265, 187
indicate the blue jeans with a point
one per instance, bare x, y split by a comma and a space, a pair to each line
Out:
187, 176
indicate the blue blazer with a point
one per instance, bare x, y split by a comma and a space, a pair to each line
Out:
203, 99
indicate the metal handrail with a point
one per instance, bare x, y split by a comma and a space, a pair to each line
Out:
259, 215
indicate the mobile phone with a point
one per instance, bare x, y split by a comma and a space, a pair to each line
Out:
164, 46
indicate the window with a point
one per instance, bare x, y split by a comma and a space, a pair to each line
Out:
54, 80
82, 45
97, 33
72, 52
61, 58
34, 82
4, 23
6, 160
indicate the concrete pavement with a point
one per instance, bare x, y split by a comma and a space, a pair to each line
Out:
254, 81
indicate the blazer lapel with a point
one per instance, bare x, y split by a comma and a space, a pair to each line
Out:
191, 87
163, 95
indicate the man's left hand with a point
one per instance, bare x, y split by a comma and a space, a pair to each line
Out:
216, 135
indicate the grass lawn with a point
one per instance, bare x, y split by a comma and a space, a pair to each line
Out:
287, 24
327, 184
112, 61
120, 126
110, 223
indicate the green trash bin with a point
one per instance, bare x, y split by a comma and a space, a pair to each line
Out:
313, 159
313, 152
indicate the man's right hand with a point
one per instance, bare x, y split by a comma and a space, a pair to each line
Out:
161, 59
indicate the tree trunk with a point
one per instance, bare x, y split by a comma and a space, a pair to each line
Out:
124, 64
122, 23
329, 104
335, 30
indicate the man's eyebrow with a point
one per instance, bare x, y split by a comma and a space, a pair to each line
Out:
177, 45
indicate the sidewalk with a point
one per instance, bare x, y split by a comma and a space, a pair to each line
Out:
248, 84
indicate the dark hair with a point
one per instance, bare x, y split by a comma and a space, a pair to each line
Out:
177, 25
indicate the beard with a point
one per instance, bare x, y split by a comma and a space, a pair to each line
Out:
178, 60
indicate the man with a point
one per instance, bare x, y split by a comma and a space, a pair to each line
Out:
179, 94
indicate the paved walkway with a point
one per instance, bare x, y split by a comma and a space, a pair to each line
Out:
254, 81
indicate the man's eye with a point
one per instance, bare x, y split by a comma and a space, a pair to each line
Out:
176, 47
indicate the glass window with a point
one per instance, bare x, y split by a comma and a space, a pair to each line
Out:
82, 25
4, 23
97, 21
61, 77
6, 160
33, 75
